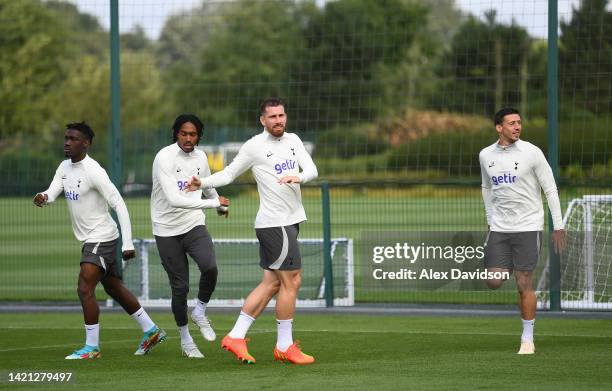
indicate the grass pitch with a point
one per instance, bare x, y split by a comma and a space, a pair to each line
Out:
352, 352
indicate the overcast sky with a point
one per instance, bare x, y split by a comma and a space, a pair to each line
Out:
151, 14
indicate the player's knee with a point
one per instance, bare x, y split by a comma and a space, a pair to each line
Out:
84, 291
494, 283
114, 290
180, 290
524, 281
297, 280
524, 286
212, 272
274, 287
292, 281
111, 291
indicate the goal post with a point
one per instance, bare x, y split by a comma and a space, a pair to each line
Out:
239, 273
586, 263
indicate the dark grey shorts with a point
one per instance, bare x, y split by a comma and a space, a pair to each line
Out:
279, 248
513, 250
104, 255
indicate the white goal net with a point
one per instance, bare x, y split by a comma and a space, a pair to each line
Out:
239, 273
586, 263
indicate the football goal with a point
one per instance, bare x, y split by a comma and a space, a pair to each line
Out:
239, 273
586, 263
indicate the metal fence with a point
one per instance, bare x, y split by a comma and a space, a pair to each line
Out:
396, 98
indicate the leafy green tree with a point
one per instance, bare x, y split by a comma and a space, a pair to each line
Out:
85, 95
85, 35
412, 81
248, 55
585, 57
31, 45
330, 64
351, 45
485, 68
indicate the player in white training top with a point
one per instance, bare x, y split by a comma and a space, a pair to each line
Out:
514, 173
275, 158
88, 192
178, 225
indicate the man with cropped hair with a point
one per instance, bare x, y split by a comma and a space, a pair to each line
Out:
514, 173
88, 192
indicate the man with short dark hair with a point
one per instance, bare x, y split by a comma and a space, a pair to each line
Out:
275, 158
88, 192
178, 226
514, 172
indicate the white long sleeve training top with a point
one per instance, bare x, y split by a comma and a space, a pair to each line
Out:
88, 191
511, 180
174, 212
270, 159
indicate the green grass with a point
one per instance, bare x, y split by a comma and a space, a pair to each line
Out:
352, 352
39, 255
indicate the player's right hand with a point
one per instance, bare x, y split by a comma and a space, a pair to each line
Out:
224, 201
193, 184
223, 210
558, 238
40, 200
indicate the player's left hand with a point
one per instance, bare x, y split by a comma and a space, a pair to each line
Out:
129, 254
40, 200
223, 211
193, 184
289, 179
558, 238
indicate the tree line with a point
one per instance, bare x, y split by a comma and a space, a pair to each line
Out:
338, 66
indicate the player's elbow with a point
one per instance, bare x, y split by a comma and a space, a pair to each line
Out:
551, 192
315, 173
175, 202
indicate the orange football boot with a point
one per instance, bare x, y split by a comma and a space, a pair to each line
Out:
238, 346
293, 355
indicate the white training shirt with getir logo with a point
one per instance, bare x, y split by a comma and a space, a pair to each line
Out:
512, 177
270, 159
173, 211
88, 191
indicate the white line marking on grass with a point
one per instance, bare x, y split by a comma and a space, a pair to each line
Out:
111, 342
265, 331
445, 333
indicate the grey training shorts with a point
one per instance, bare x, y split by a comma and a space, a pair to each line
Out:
513, 250
104, 255
279, 248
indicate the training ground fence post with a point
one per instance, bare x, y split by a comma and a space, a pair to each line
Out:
553, 144
328, 269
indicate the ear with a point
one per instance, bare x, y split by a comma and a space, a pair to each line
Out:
261, 119
498, 128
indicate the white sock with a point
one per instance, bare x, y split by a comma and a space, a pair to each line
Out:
527, 330
143, 319
92, 334
185, 336
243, 323
285, 336
200, 308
